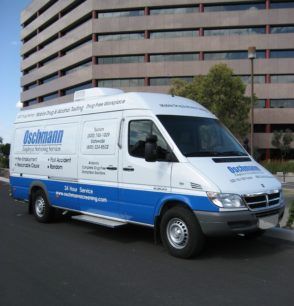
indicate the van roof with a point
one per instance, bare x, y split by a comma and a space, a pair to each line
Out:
159, 104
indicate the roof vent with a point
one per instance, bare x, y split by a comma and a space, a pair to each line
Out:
95, 92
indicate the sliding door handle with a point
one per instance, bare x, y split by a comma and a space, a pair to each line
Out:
129, 169
111, 168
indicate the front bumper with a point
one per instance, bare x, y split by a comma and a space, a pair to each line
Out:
234, 222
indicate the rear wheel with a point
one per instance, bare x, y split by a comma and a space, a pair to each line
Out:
42, 210
181, 233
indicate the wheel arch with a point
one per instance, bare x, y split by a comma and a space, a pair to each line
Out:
36, 185
166, 204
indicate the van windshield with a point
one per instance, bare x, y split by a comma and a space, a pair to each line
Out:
198, 136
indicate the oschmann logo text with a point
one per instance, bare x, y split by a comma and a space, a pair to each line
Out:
43, 137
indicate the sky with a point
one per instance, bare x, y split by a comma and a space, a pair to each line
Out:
9, 63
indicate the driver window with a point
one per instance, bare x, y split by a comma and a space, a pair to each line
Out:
138, 131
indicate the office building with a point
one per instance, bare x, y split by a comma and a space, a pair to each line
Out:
142, 45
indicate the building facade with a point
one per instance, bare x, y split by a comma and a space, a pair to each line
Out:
142, 45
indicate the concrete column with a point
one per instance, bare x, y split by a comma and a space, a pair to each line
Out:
267, 4
201, 56
201, 7
267, 29
146, 81
267, 103
146, 58
146, 11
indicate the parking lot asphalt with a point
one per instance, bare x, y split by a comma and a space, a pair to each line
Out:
73, 263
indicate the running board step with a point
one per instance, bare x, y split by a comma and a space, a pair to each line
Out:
99, 220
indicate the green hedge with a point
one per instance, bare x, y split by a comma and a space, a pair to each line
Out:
4, 162
279, 166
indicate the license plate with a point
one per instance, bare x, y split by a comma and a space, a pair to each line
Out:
268, 222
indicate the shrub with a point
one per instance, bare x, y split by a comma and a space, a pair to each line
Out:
279, 166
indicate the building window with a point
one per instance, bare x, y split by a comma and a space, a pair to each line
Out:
30, 20
79, 66
259, 128
30, 86
175, 57
234, 55
49, 59
130, 13
30, 36
260, 103
282, 127
121, 36
174, 10
173, 34
73, 89
234, 7
46, 6
282, 78
29, 53
282, 4
282, 54
234, 31
167, 81
48, 41
76, 24
30, 69
117, 83
30, 102
71, 7
120, 59
48, 23
51, 96
258, 79
282, 29
282, 103
77, 45
49, 78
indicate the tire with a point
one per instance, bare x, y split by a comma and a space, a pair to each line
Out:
42, 210
181, 233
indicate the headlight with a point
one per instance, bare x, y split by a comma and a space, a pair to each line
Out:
226, 200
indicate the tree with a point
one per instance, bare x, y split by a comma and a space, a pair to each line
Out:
222, 93
282, 141
1, 140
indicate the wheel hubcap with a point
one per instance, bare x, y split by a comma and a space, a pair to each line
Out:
40, 207
177, 233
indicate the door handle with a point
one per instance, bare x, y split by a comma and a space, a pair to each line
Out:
111, 168
129, 169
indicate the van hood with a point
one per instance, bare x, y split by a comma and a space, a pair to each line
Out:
234, 175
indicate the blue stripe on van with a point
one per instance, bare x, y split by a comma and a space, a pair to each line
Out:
134, 205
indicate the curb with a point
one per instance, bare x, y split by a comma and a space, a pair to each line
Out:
3, 179
280, 233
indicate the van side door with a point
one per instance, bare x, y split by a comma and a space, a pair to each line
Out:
98, 164
142, 184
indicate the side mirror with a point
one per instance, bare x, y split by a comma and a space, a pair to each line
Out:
151, 148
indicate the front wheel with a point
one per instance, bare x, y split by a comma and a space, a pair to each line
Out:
181, 233
43, 212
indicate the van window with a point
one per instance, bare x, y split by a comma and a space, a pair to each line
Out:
138, 131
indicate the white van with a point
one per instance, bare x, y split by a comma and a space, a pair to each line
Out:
157, 160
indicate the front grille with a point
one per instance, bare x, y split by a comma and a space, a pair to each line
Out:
260, 201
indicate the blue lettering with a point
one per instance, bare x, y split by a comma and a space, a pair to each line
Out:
43, 137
